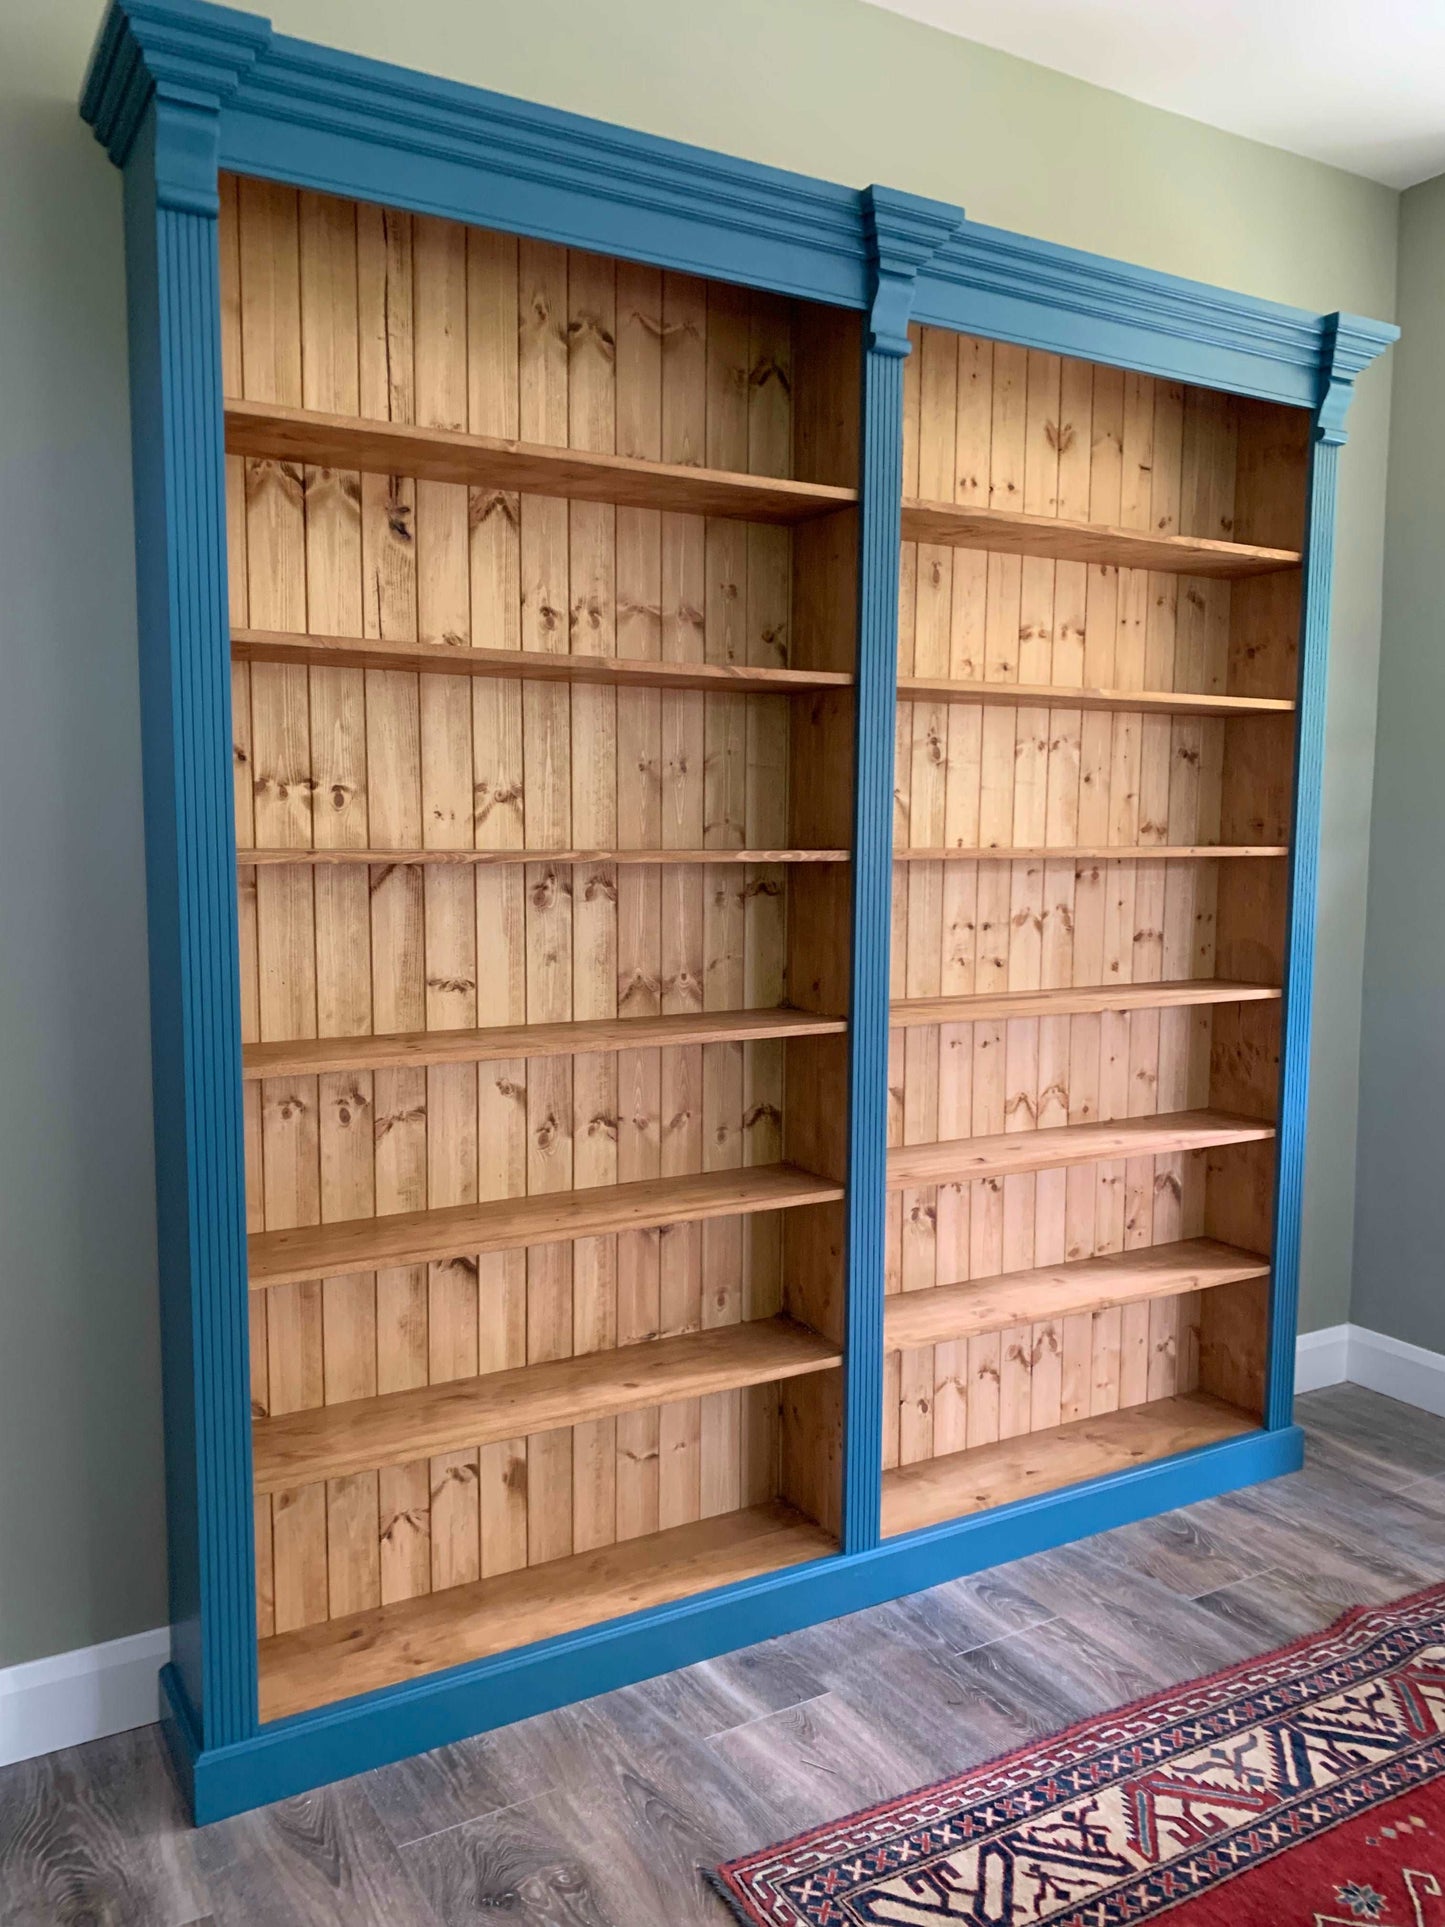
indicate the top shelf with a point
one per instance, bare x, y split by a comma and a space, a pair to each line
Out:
484, 461
1011, 532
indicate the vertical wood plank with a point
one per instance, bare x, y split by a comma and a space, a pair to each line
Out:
639, 888
546, 598
497, 779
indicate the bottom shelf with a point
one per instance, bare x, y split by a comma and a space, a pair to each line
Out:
933, 1490
386, 1645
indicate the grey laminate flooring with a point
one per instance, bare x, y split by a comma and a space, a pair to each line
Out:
598, 1815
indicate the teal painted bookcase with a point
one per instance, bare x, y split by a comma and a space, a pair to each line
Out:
732, 802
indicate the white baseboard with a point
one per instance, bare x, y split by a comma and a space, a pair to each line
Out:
83, 1695
1359, 1356
1406, 1372
1322, 1358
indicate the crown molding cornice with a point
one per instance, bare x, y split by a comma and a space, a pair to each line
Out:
231, 93
904, 232
1350, 344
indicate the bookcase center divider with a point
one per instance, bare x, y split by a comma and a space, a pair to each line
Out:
732, 802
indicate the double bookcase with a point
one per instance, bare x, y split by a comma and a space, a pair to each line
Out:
731, 858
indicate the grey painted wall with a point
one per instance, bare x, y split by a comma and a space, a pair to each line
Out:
1400, 1221
81, 1549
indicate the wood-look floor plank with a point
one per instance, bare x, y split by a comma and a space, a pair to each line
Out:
96, 1836
323, 1858
1137, 1619
813, 1761
1048, 1677
537, 1864
1178, 1552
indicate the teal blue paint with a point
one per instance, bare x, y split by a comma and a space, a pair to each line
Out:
178, 88
311, 1749
1008, 287
191, 888
1350, 344
903, 232
162, 124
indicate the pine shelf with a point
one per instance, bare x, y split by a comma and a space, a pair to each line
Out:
411, 1638
1013, 532
1075, 1001
957, 1160
987, 1476
332, 1441
944, 1313
415, 1237
1016, 695
1093, 853
310, 1057
530, 665
645, 858
265, 429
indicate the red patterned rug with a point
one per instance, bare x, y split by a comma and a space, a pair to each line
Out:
1303, 1787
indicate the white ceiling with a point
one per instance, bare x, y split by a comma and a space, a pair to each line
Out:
1357, 83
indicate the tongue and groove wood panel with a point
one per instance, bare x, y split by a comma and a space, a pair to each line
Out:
373, 314
993, 427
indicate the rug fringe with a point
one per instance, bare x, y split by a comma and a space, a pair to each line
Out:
712, 1878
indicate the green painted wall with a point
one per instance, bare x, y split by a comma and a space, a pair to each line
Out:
829, 86
1400, 1220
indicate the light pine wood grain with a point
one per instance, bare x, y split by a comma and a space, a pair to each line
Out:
510, 1041
407, 1641
404, 1238
1043, 1461
553, 470
342, 1439
552, 860
943, 1314
1058, 695
1011, 1153
340, 818
1074, 1000
1050, 536
398, 937
1067, 714
282, 814
1038, 853
605, 671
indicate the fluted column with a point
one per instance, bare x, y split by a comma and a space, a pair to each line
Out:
1349, 345
154, 95
904, 232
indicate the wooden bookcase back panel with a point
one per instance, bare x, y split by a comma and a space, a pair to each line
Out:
369, 313
989, 425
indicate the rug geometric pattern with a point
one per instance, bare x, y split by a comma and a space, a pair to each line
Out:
1132, 1815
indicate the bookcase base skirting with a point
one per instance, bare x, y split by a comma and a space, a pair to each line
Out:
311, 1749
732, 781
